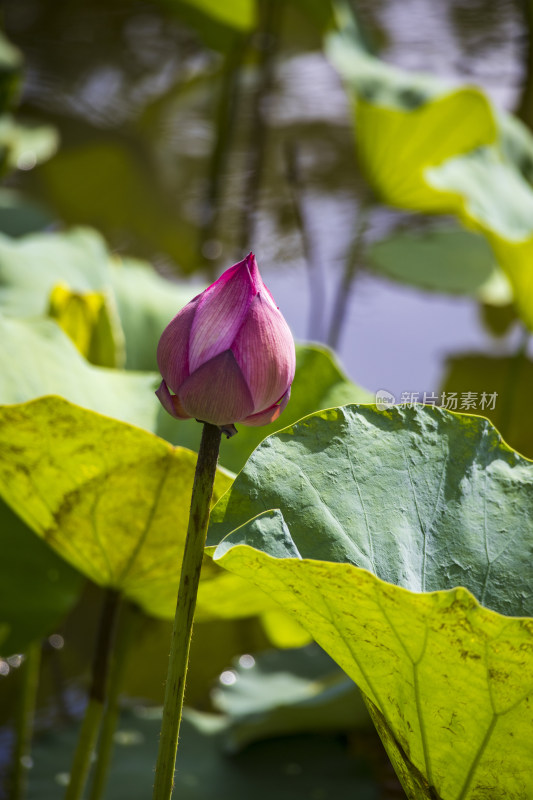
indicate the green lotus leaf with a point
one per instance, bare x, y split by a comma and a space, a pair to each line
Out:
37, 588
446, 153
23, 145
111, 499
38, 358
121, 192
448, 260
30, 268
493, 197
406, 122
402, 541
239, 14
290, 768
281, 692
138, 302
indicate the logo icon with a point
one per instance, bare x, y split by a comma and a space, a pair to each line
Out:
384, 399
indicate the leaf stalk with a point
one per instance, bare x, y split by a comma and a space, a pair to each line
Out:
202, 493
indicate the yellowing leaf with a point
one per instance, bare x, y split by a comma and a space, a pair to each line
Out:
91, 321
401, 540
111, 499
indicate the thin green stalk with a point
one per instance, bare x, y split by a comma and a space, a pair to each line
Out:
226, 116
121, 651
97, 697
315, 275
24, 719
353, 263
267, 40
505, 418
202, 493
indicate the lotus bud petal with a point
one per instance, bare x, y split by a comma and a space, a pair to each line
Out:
228, 356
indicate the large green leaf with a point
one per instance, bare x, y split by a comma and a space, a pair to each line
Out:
319, 383
121, 193
111, 499
37, 588
449, 260
32, 266
282, 692
402, 540
299, 767
31, 269
491, 196
38, 358
406, 121
443, 153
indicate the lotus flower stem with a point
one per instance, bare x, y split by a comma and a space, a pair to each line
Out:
121, 651
512, 381
353, 262
24, 722
225, 122
315, 275
271, 15
97, 697
202, 493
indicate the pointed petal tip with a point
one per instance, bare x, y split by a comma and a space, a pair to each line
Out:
170, 402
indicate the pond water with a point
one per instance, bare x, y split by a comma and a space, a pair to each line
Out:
104, 74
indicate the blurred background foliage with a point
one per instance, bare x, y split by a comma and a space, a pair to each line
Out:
144, 147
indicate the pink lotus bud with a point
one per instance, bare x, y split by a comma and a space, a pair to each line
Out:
228, 356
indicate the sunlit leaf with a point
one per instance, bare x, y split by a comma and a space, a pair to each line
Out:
111, 499
406, 121
493, 197
443, 154
401, 539
90, 319
240, 14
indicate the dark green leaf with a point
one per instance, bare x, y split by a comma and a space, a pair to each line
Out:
37, 588
400, 539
